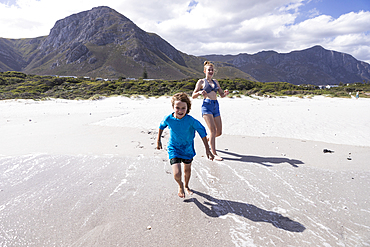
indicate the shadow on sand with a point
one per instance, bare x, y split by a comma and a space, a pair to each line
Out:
216, 208
266, 161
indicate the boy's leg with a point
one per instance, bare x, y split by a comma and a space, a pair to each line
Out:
187, 171
176, 169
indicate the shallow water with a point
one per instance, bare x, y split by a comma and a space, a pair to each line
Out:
87, 200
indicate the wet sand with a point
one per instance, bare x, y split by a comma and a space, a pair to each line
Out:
86, 173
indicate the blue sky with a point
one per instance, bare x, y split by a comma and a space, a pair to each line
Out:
200, 27
334, 8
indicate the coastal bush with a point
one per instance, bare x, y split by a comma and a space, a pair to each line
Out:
13, 74
19, 85
96, 97
2, 81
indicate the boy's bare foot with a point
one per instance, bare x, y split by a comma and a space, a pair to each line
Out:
181, 192
188, 190
218, 158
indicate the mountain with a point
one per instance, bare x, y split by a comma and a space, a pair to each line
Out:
103, 43
315, 66
10, 58
100, 43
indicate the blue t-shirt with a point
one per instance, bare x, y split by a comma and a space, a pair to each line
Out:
182, 134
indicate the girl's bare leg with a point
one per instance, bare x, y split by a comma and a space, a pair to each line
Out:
208, 118
215, 129
218, 124
176, 169
187, 171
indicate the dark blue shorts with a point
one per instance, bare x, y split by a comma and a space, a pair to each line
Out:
179, 160
210, 107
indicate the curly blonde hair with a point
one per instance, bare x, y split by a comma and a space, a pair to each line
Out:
208, 63
183, 97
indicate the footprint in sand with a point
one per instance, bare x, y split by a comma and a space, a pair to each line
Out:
138, 144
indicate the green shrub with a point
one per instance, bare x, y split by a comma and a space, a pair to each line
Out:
96, 97
19, 85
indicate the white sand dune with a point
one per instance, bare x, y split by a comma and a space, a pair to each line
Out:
333, 120
86, 173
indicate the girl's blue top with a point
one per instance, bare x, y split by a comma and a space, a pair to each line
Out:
182, 134
208, 87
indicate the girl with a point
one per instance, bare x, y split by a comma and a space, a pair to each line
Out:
180, 145
209, 87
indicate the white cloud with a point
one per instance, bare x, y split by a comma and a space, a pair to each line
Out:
348, 33
313, 13
358, 45
201, 27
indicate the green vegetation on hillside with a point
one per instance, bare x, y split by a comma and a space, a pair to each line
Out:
17, 85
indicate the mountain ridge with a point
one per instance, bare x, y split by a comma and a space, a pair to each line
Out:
315, 65
97, 42
104, 43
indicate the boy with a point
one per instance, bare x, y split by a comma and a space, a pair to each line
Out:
181, 142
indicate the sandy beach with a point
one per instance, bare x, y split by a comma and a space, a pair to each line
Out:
86, 173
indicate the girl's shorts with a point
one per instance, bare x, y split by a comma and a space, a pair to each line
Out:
210, 107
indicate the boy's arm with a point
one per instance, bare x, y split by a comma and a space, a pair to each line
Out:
159, 143
208, 152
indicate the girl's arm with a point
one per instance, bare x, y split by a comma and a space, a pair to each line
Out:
198, 90
159, 143
222, 92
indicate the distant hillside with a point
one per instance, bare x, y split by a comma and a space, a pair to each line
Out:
100, 43
10, 57
315, 66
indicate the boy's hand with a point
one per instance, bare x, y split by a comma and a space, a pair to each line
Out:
209, 155
159, 145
